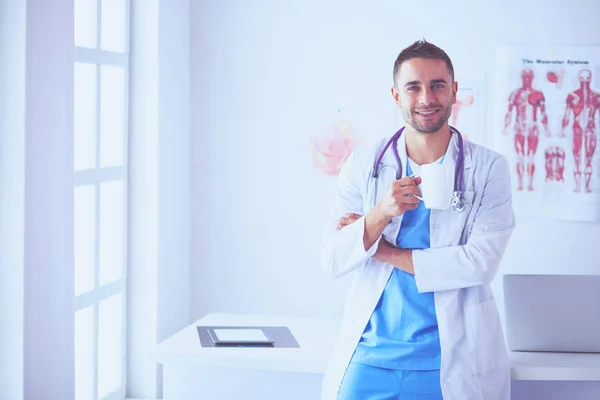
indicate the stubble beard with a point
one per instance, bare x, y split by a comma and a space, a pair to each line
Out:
429, 128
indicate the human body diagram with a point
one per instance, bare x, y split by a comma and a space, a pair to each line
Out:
529, 105
574, 119
581, 109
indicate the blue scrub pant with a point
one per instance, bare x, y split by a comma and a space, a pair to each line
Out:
364, 382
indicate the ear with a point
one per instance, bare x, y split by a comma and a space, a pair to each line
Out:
396, 96
454, 91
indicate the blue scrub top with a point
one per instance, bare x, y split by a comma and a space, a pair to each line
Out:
402, 332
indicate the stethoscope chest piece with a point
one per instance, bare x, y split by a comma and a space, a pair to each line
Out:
458, 201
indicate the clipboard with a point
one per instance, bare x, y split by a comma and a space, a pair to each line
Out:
246, 336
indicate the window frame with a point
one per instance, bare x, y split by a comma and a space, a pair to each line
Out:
96, 176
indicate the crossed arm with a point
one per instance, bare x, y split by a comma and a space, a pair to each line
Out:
386, 252
473, 263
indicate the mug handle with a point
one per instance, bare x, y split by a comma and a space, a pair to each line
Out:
415, 176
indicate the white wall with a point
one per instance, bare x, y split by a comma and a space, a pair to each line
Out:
159, 263
174, 167
36, 199
142, 287
257, 202
12, 195
48, 247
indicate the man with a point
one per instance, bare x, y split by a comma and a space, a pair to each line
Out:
528, 103
583, 104
420, 320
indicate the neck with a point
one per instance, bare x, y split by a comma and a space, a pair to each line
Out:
425, 148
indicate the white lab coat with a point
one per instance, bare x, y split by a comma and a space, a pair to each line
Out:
466, 248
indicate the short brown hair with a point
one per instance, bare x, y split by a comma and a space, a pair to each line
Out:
422, 49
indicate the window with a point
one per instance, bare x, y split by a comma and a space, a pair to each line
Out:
101, 74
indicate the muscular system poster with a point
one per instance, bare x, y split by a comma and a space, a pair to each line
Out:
547, 117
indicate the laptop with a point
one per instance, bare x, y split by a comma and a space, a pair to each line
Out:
552, 313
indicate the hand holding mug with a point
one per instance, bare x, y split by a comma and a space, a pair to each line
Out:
401, 197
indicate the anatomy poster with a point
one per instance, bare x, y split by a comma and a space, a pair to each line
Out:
334, 132
547, 116
468, 111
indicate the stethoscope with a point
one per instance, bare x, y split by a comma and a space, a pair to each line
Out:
458, 199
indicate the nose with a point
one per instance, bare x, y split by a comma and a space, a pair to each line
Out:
427, 96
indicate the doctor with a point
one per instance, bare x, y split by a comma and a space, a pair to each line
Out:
420, 321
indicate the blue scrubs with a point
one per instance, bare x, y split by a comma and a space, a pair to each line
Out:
364, 382
398, 356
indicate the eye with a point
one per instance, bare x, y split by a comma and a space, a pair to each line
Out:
438, 86
412, 88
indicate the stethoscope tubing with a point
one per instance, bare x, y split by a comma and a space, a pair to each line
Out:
458, 200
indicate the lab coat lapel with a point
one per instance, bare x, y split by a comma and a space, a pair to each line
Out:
389, 167
450, 218
451, 157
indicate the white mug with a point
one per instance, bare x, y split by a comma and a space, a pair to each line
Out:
437, 186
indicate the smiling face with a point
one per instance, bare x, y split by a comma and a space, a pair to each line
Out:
425, 93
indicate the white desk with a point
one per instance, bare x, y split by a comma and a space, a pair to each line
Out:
194, 372
526, 366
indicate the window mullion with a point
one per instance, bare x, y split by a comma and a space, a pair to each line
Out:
106, 174
96, 305
96, 175
95, 296
97, 56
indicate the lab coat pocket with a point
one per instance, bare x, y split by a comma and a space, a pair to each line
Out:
468, 215
456, 223
484, 322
